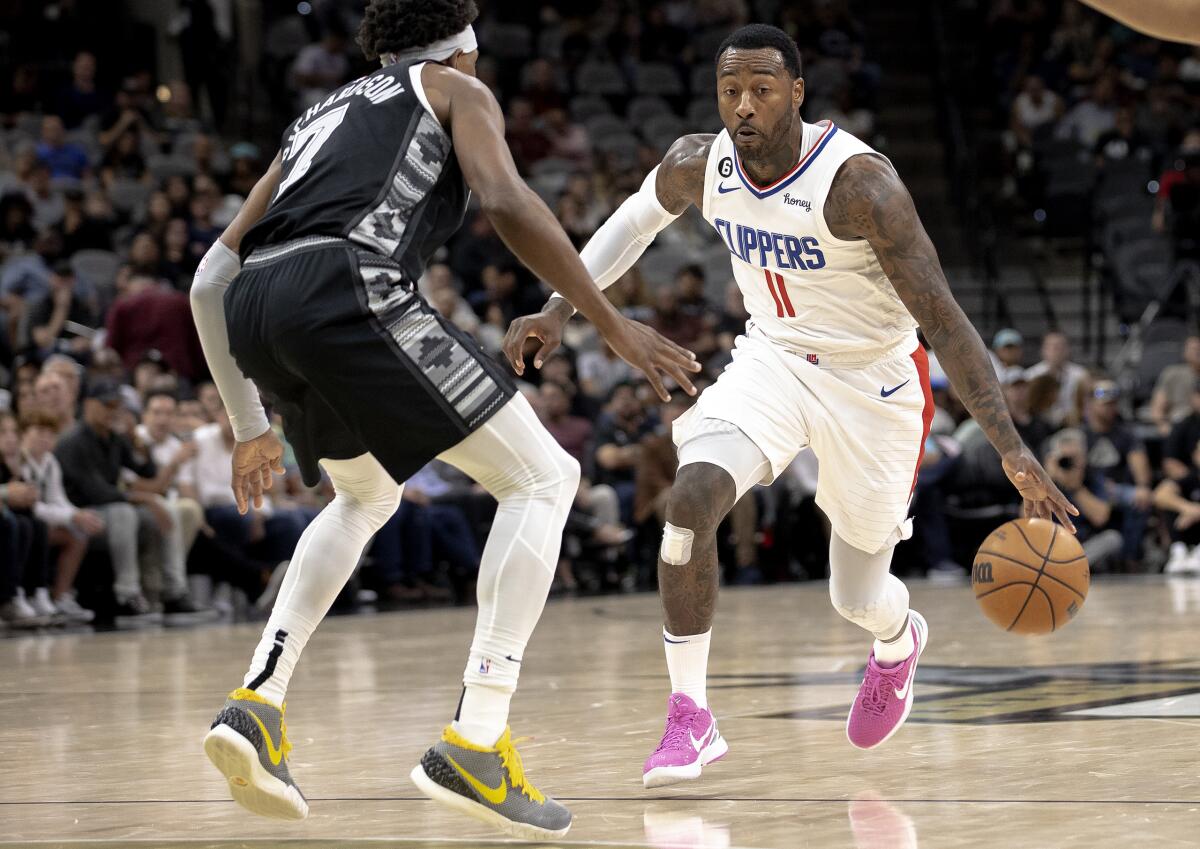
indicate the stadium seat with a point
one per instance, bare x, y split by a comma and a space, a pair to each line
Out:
1129, 184
28, 124
702, 115
507, 41
62, 184
96, 267
162, 167
658, 78
1167, 330
1156, 356
705, 44
600, 78
1129, 226
644, 108
88, 141
285, 38
586, 105
666, 127
1106, 208
549, 186
551, 165
600, 127
622, 148
660, 265
703, 78
550, 42
129, 195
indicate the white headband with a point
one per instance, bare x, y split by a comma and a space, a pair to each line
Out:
441, 49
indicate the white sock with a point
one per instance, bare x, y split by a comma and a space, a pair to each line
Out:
896, 651
325, 558
483, 714
687, 661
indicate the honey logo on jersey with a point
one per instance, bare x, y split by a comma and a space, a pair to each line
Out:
806, 205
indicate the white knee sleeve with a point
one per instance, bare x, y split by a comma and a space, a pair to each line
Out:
884, 615
364, 487
863, 591
724, 445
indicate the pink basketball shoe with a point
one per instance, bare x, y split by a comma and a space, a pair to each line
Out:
690, 741
886, 694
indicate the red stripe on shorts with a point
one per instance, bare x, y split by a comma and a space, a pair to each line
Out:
921, 361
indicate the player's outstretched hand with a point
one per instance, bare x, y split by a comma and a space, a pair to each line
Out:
546, 327
253, 463
1042, 499
654, 355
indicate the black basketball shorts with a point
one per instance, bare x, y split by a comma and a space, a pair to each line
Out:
354, 358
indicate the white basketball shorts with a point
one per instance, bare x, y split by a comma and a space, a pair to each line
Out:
867, 422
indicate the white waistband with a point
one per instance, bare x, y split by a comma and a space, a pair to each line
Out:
902, 347
269, 253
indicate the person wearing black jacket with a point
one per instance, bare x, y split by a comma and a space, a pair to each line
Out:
92, 457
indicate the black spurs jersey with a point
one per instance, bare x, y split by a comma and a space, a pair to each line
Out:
372, 164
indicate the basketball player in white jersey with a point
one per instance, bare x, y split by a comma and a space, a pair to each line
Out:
837, 274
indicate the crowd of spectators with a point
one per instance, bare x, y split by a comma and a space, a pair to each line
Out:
115, 475
1131, 471
114, 447
1102, 141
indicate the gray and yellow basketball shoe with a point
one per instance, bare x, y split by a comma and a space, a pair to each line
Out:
489, 785
248, 743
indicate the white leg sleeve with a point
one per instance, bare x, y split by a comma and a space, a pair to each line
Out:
863, 591
535, 480
329, 549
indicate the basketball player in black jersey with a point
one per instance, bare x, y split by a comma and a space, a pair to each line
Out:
324, 319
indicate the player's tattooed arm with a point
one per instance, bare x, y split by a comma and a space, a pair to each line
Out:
869, 201
680, 180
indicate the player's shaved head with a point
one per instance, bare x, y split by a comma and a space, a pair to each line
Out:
390, 26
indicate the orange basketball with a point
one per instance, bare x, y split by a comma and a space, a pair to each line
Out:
1030, 576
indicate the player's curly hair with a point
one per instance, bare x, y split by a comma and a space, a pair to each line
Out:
390, 26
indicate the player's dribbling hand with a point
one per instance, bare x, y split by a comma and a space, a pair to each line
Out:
253, 463
1042, 499
654, 355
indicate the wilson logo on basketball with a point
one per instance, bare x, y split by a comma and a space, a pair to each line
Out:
981, 573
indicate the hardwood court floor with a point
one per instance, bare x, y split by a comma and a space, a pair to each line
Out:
1085, 738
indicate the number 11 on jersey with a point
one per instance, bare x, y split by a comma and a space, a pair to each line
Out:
783, 304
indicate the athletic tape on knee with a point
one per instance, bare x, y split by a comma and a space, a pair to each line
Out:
676, 545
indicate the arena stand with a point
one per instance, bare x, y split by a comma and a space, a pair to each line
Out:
1066, 211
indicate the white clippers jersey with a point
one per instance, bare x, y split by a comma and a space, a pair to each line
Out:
804, 288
